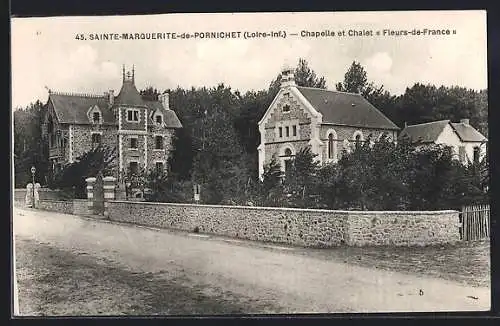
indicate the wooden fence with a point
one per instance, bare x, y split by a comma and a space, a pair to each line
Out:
475, 222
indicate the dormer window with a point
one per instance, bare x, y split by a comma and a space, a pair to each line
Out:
159, 119
96, 117
286, 108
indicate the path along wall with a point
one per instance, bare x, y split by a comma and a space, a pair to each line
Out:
301, 227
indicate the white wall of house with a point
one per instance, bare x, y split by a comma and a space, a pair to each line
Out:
450, 138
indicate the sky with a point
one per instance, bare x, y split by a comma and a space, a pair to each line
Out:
46, 53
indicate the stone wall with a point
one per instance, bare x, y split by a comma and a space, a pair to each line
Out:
402, 228
75, 206
43, 193
60, 206
301, 227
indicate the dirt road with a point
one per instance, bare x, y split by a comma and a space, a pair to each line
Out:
276, 277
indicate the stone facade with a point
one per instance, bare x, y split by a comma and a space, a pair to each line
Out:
344, 138
300, 117
81, 140
159, 155
300, 227
75, 123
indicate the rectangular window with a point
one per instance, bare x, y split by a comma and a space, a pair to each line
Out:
96, 117
294, 131
476, 154
158, 142
159, 166
280, 131
158, 119
133, 167
133, 142
461, 153
287, 131
96, 138
133, 115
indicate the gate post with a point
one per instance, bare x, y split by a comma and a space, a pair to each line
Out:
109, 192
90, 193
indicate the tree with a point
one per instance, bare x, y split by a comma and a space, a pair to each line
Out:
182, 155
218, 165
29, 147
271, 188
300, 178
167, 188
71, 179
149, 94
356, 81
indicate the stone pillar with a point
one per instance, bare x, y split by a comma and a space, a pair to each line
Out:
90, 193
109, 185
28, 200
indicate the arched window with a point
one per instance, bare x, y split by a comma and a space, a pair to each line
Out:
358, 138
288, 152
330, 146
358, 141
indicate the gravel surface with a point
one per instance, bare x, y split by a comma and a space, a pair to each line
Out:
65, 260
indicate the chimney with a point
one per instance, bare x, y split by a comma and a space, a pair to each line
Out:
164, 100
464, 121
111, 98
406, 124
287, 77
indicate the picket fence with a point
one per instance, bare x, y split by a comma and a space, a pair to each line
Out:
475, 222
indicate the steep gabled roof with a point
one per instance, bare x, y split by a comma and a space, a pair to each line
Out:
467, 133
346, 109
430, 131
170, 118
73, 108
424, 132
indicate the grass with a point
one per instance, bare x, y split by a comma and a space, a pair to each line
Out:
464, 262
53, 282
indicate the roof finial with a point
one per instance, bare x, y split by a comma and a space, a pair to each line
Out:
133, 74
123, 72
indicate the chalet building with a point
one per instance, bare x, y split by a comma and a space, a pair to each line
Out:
140, 130
468, 144
328, 121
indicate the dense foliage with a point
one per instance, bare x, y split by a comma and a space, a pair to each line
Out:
99, 161
217, 149
381, 176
